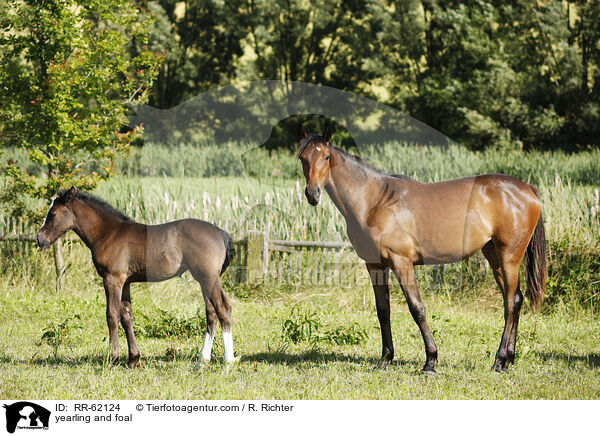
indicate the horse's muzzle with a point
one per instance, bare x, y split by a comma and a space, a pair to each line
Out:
314, 196
42, 242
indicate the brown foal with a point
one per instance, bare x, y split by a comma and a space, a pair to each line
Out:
125, 252
395, 222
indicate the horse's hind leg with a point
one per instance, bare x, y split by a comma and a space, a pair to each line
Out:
127, 323
405, 273
506, 273
380, 278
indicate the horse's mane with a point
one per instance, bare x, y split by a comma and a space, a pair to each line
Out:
351, 158
361, 164
95, 201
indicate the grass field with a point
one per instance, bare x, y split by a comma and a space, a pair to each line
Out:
558, 353
56, 345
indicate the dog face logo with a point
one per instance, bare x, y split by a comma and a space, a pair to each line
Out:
26, 415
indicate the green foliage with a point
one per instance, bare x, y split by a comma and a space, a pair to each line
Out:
306, 325
169, 324
301, 326
573, 275
350, 335
68, 71
57, 334
200, 39
424, 163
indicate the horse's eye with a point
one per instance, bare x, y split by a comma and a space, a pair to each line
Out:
327, 157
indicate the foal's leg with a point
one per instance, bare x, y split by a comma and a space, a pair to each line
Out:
127, 323
213, 294
113, 286
211, 328
380, 278
223, 309
405, 273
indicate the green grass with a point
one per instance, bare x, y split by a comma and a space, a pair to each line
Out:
558, 353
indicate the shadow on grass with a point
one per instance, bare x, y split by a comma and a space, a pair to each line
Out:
309, 357
319, 357
92, 359
592, 360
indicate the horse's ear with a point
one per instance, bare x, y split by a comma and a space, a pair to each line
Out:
301, 132
70, 194
327, 132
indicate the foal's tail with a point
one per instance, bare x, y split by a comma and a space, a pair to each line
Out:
229, 249
535, 262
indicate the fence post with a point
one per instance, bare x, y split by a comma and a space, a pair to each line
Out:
257, 257
59, 263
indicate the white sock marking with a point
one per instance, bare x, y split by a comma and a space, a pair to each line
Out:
228, 357
206, 349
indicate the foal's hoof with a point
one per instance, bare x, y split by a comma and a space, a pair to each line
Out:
428, 371
202, 363
500, 367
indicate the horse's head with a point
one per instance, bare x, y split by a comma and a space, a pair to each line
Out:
59, 219
315, 153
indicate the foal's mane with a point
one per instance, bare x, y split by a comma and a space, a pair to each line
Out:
95, 201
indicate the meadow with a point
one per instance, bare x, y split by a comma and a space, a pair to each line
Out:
301, 340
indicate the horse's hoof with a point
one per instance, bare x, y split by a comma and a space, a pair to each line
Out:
384, 361
133, 362
382, 365
429, 371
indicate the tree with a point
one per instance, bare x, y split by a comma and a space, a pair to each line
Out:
200, 41
495, 73
323, 42
68, 70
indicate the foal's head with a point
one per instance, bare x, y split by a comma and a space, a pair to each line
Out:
315, 153
59, 220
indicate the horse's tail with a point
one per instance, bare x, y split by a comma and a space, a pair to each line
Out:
229, 249
536, 267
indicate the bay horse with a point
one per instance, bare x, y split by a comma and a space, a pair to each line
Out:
395, 222
124, 252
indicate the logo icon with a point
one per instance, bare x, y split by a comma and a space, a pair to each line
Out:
26, 415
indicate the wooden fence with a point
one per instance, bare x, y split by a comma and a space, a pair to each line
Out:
260, 259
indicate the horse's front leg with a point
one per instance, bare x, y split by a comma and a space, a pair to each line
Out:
379, 279
113, 286
127, 323
403, 268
